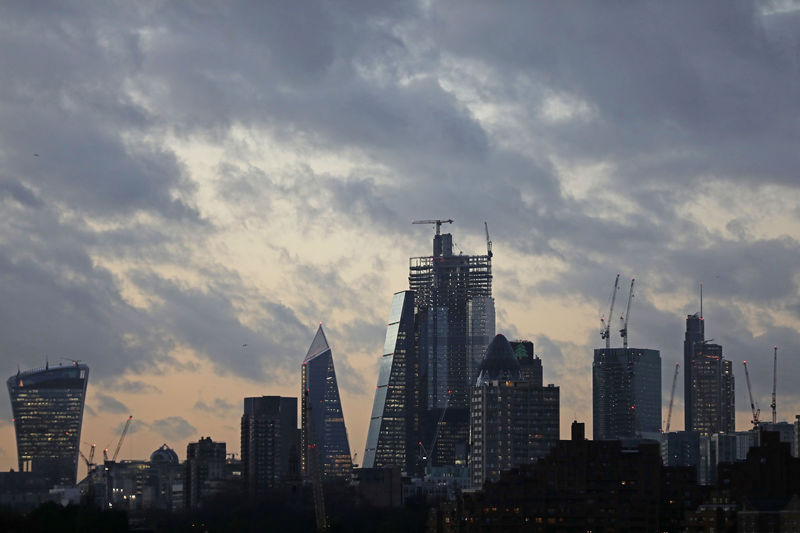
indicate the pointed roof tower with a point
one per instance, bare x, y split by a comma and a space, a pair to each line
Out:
318, 345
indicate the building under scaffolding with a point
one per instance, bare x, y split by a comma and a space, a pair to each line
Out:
455, 323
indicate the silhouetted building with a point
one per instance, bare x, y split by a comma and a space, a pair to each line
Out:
455, 323
205, 471
626, 393
709, 385
321, 389
513, 421
394, 422
580, 486
681, 448
269, 442
47, 406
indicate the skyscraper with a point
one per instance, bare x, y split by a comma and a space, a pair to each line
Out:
513, 420
711, 391
270, 442
694, 337
709, 386
455, 323
392, 426
205, 471
47, 405
320, 396
626, 393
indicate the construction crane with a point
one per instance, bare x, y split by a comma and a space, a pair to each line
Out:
774, 383
624, 331
605, 331
91, 453
122, 438
437, 221
672, 397
488, 240
756, 411
316, 474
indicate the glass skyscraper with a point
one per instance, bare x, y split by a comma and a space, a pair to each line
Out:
390, 439
47, 406
326, 429
709, 384
626, 393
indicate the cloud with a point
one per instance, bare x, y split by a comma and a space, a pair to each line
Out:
135, 387
110, 405
174, 428
219, 407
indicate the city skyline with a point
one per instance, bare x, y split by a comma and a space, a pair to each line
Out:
181, 204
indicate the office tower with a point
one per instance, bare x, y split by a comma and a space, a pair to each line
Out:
513, 421
530, 366
325, 428
693, 340
626, 393
390, 439
47, 406
205, 470
455, 322
711, 391
269, 442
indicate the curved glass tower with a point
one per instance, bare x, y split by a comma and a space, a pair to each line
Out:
47, 406
327, 429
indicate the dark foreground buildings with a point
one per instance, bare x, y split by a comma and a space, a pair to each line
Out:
47, 405
270, 443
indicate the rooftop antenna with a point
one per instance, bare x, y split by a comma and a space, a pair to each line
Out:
774, 382
701, 299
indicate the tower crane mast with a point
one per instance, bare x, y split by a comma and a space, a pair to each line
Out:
672, 397
605, 332
624, 331
756, 411
774, 383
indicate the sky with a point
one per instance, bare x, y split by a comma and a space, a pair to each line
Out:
188, 189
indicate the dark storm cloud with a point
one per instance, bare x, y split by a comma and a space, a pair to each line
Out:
110, 405
207, 321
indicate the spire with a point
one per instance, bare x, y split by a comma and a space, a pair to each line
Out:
318, 345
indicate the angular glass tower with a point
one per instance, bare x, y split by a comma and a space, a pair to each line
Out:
390, 437
320, 394
47, 406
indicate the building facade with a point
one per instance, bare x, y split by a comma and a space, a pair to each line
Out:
455, 322
47, 406
626, 393
206, 471
709, 385
394, 421
322, 418
513, 421
270, 442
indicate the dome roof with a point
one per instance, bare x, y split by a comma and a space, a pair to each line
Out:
499, 363
164, 454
